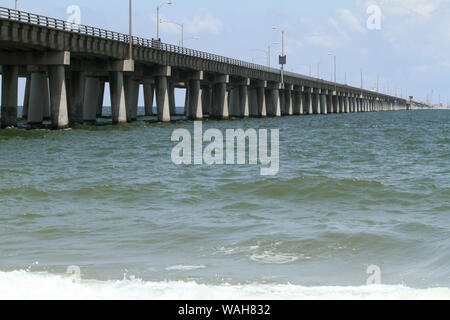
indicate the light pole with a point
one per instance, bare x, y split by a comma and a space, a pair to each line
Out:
181, 25
282, 57
157, 16
130, 53
335, 68
15, 6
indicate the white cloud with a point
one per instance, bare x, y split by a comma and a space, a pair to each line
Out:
347, 18
204, 23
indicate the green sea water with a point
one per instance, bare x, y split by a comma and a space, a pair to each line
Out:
354, 190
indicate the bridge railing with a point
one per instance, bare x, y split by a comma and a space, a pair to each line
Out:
53, 23
35, 19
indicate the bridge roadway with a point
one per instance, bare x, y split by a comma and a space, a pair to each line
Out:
66, 67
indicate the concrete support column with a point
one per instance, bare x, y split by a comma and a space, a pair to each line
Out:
244, 102
58, 97
330, 104
298, 105
149, 94
323, 104
162, 99
234, 103
172, 102
10, 80
220, 101
76, 97
92, 91
335, 101
47, 108
36, 105
261, 101
289, 103
118, 103
101, 95
275, 109
310, 102
195, 100
131, 97
347, 104
26, 99
253, 102
316, 103
207, 100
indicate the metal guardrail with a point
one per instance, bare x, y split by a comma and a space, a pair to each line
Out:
53, 23
63, 25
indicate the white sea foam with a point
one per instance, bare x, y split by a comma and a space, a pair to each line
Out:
26, 285
185, 268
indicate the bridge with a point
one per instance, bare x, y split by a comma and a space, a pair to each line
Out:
66, 67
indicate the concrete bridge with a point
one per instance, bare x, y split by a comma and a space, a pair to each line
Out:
66, 67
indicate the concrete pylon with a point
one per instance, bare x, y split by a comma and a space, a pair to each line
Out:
162, 99
253, 102
26, 98
244, 101
36, 105
335, 103
47, 109
58, 97
76, 97
101, 95
149, 93
261, 101
172, 102
310, 102
316, 103
118, 104
220, 101
297, 101
303, 105
329, 99
131, 98
289, 104
234, 102
347, 104
207, 100
195, 100
323, 104
92, 92
186, 102
10, 79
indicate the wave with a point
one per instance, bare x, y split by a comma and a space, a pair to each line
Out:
42, 286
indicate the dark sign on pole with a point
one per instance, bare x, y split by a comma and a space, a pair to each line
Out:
282, 60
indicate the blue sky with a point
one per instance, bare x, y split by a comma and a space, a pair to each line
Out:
409, 52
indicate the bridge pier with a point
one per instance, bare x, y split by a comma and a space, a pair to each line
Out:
118, 103
58, 97
289, 104
275, 103
195, 100
207, 99
37, 99
220, 98
92, 92
309, 101
172, 102
26, 98
101, 94
233, 102
253, 102
47, 108
10, 80
76, 97
131, 87
244, 100
149, 93
162, 99
297, 100
323, 103
261, 100
329, 98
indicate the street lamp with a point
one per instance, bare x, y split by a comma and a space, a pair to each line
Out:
131, 31
157, 16
282, 57
335, 77
15, 6
181, 25
268, 52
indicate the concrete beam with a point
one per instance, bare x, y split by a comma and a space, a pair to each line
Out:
35, 58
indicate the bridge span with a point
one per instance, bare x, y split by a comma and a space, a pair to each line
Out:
66, 67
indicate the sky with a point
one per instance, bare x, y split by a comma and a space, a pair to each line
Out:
401, 46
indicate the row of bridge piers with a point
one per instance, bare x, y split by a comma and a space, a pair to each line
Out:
68, 97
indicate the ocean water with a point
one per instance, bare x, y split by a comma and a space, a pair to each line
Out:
353, 191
